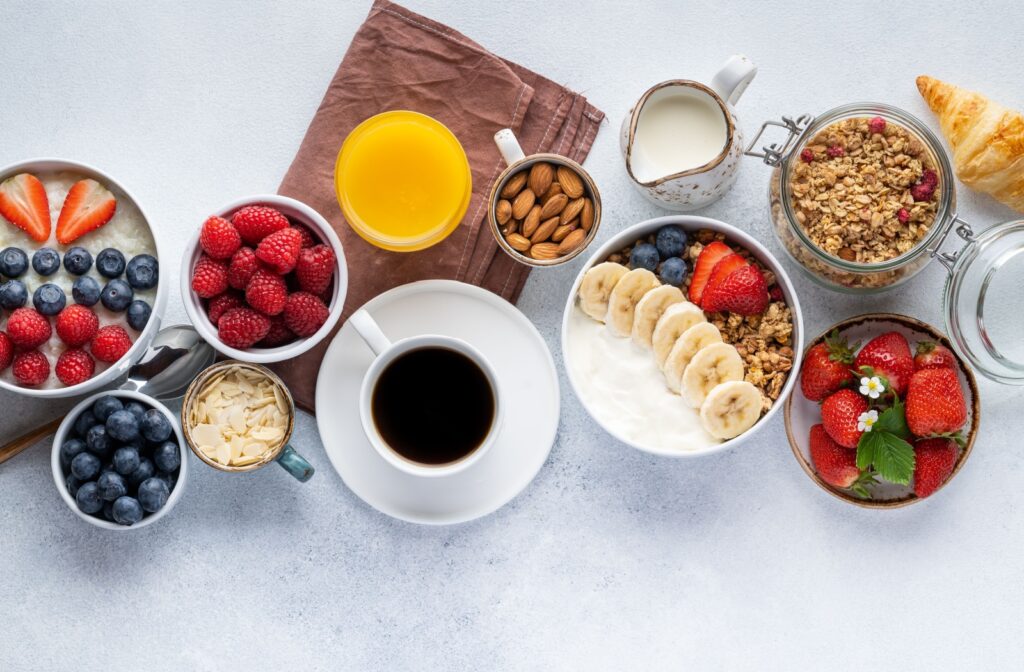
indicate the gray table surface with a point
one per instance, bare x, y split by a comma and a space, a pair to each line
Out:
611, 559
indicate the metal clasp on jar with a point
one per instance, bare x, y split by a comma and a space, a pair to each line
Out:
949, 259
772, 154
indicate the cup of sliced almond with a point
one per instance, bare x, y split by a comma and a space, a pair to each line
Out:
544, 209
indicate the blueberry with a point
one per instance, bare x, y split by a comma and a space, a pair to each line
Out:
136, 409
126, 460
49, 299
77, 261
644, 255
127, 511
153, 494
673, 271
88, 498
110, 263
168, 478
111, 485
116, 296
46, 261
155, 426
84, 423
85, 466
108, 511
143, 271
86, 291
670, 241
13, 262
167, 456
69, 449
98, 441
142, 472
104, 406
73, 484
13, 294
123, 426
138, 314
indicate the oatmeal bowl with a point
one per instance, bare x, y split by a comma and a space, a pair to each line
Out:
681, 336
80, 292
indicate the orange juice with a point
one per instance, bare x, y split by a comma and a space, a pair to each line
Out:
402, 180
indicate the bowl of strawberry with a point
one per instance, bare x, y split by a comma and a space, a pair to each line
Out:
887, 413
264, 279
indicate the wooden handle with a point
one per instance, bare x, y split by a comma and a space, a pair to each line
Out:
12, 448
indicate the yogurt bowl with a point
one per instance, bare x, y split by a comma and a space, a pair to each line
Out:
630, 398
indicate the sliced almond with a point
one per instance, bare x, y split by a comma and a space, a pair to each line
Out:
554, 206
514, 185
503, 211
571, 183
524, 201
544, 231
571, 242
517, 242
573, 208
541, 176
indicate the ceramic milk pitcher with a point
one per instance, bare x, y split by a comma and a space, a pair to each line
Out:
681, 141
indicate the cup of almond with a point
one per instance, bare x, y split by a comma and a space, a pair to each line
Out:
544, 209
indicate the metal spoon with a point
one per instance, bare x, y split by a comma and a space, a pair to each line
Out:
174, 358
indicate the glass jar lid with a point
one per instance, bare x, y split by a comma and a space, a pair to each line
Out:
984, 300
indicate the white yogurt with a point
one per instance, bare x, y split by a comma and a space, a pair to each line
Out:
126, 231
622, 385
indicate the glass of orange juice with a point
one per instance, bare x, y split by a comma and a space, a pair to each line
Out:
402, 180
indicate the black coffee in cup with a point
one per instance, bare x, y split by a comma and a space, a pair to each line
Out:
433, 405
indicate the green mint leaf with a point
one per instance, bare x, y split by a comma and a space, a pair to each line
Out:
894, 458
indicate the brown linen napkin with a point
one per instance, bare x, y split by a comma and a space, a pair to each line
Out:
400, 60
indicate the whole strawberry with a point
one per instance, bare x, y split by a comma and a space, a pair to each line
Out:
31, 368
743, 292
935, 402
221, 304
934, 460
266, 292
74, 366
280, 250
933, 356
836, 465
6, 351
110, 343
256, 222
840, 413
209, 277
304, 314
219, 238
76, 325
315, 269
826, 367
243, 264
242, 327
888, 355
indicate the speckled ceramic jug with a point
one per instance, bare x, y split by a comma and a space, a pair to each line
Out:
700, 185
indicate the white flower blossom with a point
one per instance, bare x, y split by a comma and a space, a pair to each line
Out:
867, 420
871, 387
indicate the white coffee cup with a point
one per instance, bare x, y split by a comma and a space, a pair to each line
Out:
387, 352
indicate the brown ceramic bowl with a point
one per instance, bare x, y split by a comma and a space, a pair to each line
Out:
801, 413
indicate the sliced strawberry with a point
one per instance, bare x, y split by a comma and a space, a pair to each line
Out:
743, 292
88, 206
23, 202
725, 266
706, 261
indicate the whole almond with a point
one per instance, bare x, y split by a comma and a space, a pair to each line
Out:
587, 214
532, 221
517, 242
544, 231
524, 201
553, 190
554, 206
570, 211
510, 227
571, 242
544, 251
570, 181
541, 176
561, 232
503, 211
514, 185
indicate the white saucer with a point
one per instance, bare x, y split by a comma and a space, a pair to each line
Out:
529, 386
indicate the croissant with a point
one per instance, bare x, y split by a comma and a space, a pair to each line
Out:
987, 140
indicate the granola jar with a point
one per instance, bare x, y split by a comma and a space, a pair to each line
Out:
840, 195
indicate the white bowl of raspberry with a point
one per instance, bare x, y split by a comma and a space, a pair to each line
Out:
264, 279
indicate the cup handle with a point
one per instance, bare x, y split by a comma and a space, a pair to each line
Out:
509, 147
733, 78
295, 464
369, 331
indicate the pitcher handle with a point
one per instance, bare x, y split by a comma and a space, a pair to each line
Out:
295, 464
508, 146
733, 78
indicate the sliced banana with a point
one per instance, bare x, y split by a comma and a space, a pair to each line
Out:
597, 286
712, 365
676, 319
624, 297
650, 309
694, 339
730, 409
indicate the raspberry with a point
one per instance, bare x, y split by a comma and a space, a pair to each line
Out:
31, 368
76, 325
74, 366
111, 343
922, 191
242, 327
835, 151
315, 269
903, 216
279, 333
28, 329
266, 292
929, 177
280, 250
775, 293
876, 125
308, 239
219, 238
209, 277
256, 222
305, 313
243, 265
222, 304
807, 156
6, 351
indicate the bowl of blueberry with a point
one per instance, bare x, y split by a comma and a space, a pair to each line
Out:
119, 460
